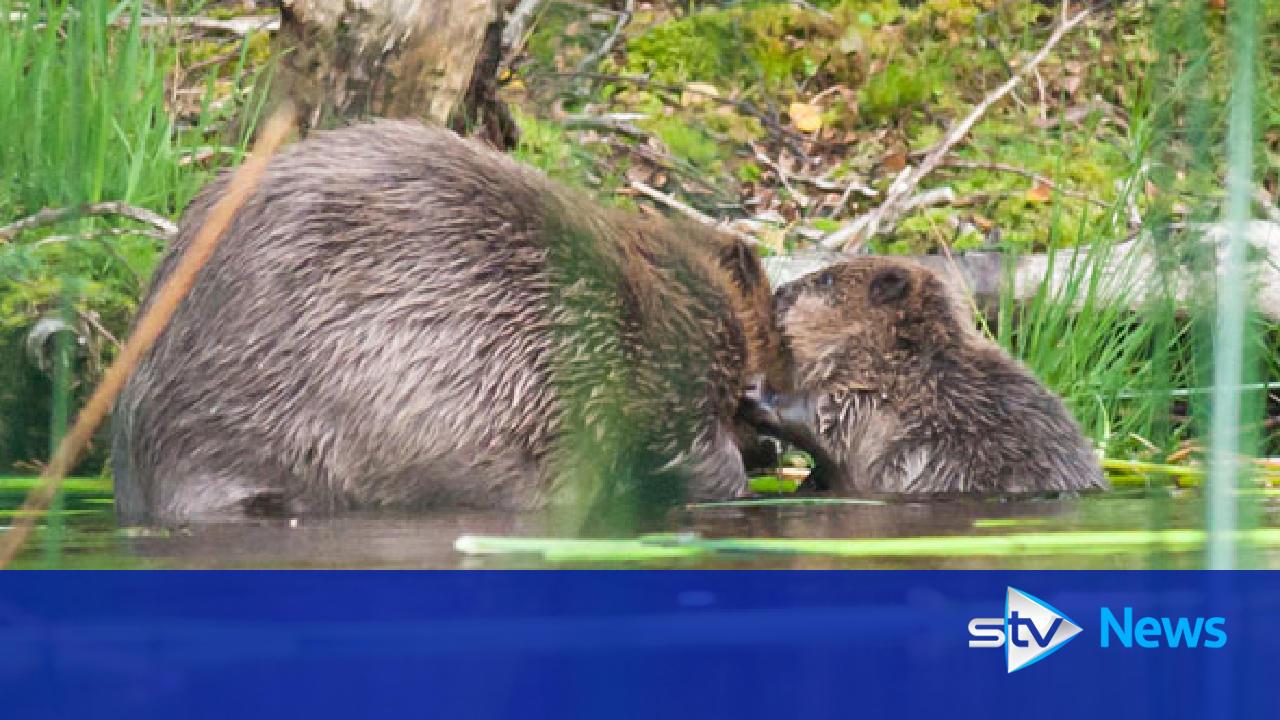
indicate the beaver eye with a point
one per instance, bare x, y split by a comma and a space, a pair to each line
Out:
826, 279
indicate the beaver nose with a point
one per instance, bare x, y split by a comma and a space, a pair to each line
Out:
783, 299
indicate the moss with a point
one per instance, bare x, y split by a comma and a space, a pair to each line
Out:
688, 143
770, 44
903, 85
546, 146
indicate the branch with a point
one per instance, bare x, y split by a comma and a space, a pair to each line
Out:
1127, 272
517, 22
620, 123
690, 212
904, 185
242, 25
607, 46
49, 216
516, 30
91, 318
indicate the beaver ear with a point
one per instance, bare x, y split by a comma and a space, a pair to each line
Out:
741, 262
889, 285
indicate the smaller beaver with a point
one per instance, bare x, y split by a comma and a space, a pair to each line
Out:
897, 391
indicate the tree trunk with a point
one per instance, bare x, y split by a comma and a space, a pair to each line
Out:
435, 60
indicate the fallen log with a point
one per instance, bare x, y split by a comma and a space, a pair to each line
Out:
1130, 272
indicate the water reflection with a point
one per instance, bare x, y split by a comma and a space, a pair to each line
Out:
427, 540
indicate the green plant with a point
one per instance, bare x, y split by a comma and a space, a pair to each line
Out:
84, 118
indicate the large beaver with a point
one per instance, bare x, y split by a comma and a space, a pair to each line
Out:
897, 391
399, 317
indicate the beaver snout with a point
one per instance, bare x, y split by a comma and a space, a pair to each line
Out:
783, 298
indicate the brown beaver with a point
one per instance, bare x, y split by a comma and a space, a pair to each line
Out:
401, 318
897, 391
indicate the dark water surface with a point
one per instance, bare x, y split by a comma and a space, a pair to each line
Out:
426, 540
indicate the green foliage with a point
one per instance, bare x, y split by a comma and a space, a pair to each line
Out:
689, 143
773, 45
901, 86
546, 146
84, 118
1114, 368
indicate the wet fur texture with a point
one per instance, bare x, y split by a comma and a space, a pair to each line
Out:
401, 318
899, 393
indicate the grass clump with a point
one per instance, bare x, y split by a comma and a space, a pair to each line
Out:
85, 118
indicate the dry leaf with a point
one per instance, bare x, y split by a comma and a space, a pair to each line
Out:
983, 222
1040, 193
806, 118
894, 162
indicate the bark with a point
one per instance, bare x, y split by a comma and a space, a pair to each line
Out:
435, 60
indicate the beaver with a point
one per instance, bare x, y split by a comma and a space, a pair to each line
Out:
896, 390
398, 317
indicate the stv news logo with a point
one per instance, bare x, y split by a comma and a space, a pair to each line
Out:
1030, 630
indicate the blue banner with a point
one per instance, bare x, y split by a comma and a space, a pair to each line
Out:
639, 644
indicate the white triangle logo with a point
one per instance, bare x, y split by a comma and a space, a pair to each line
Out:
1033, 629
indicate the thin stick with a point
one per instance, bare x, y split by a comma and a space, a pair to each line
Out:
92, 319
606, 47
515, 30
693, 213
888, 212
175, 288
49, 216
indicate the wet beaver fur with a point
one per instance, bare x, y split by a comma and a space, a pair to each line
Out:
401, 318
898, 392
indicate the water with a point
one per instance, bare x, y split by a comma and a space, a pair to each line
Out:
426, 540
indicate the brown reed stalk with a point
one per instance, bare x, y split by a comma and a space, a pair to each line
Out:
167, 299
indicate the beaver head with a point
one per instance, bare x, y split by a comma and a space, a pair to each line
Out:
851, 325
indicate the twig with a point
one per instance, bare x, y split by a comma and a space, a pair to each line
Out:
243, 25
783, 175
904, 185
99, 235
620, 123
149, 327
690, 212
1044, 111
607, 46
517, 21
831, 186
516, 31
1075, 114
49, 216
92, 319
209, 62
1001, 167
